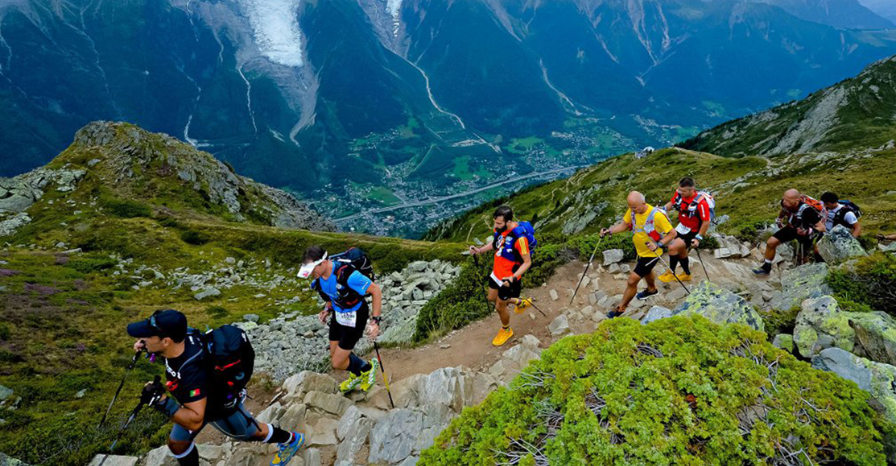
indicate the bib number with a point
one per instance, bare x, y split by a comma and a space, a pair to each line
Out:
682, 230
347, 319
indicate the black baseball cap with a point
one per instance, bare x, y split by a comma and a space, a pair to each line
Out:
167, 323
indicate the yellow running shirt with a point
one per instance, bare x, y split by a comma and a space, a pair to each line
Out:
660, 222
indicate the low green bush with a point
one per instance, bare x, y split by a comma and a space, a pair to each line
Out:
679, 391
776, 321
194, 237
126, 208
871, 284
89, 265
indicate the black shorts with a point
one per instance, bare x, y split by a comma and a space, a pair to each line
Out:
688, 238
788, 233
506, 292
645, 265
349, 336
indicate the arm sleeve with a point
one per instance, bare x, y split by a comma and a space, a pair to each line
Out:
850, 218
522, 245
359, 282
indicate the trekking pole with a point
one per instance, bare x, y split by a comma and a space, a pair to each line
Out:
120, 386
488, 307
586, 270
383, 368
660, 257
702, 264
127, 423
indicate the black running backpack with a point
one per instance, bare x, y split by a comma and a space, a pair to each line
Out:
230, 360
357, 259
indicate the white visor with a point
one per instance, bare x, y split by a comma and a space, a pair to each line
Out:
306, 269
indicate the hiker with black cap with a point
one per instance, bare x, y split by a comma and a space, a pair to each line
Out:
343, 287
801, 219
191, 401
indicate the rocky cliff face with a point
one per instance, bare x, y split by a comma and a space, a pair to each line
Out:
157, 169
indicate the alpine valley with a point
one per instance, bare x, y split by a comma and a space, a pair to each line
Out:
388, 115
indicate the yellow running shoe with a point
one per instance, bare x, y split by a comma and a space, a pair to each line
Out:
666, 277
350, 383
521, 307
502, 336
368, 379
684, 277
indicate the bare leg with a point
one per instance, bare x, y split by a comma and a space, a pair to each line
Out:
502, 312
631, 288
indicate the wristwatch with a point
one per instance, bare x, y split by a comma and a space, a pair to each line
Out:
699, 237
660, 244
377, 319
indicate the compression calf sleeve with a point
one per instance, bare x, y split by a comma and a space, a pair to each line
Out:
190, 457
673, 263
277, 435
686, 265
357, 365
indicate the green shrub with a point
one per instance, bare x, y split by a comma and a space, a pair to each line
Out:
678, 391
779, 321
871, 284
127, 208
194, 237
4, 331
89, 265
217, 312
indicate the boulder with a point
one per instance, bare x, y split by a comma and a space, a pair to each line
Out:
443, 386
720, 306
209, 292
820, 325
311, 457
875, 336
321, 432
515, 359
394, 436
354, 438
838, 245
656, 313
307, 381
157, 457
784, 341
559, 326
801, 283
9, 226
613, 256
326, 402
114, 460
876, 378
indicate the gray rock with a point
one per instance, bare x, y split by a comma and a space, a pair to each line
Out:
114, 460
838, 245
613, 256
559, 326
333, 404
10, 461
251, 317
209, 292
394, 436
784, 341
11, 225
614, 268
355, 437
801, 283
554, 295
820, 325
720, 306
311, 457
656, 313
5, 393
875, 335
876, 378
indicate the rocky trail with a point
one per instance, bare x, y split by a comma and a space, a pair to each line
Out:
431, 384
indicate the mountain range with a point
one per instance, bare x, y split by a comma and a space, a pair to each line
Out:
359, 104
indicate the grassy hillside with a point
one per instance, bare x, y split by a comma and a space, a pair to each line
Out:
130, 237
747, 190
855, 114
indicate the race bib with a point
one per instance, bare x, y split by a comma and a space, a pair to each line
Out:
347, 319
682, 230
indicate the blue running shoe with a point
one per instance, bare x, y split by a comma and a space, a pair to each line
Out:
288, 450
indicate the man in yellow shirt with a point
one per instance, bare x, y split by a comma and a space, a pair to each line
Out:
652, 232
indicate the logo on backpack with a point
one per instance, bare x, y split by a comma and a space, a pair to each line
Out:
230, 361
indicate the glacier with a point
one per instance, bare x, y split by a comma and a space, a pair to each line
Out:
275, 25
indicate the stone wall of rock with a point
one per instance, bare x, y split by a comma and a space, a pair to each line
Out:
292, 343
20, 193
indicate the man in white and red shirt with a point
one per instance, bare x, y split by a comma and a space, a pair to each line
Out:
693, 221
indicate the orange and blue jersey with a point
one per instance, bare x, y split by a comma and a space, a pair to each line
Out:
509, 251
